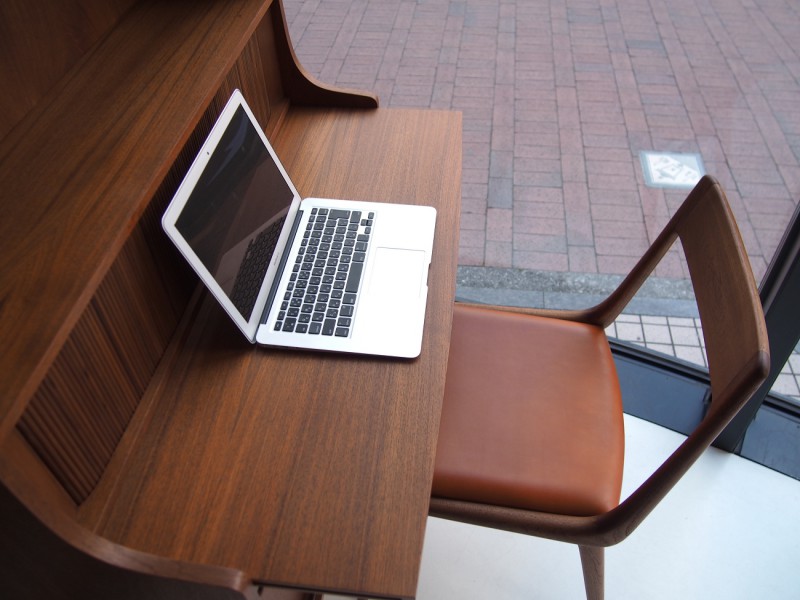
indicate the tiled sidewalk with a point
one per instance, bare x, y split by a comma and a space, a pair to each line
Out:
682, 337
559, 97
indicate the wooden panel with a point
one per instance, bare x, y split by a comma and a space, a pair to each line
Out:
40, 41
76, 419
102, 141
100, 146
56, 560
81, 410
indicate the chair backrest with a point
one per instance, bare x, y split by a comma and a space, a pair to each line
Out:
733, 326
727, 299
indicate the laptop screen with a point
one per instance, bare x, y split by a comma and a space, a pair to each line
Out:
234, 215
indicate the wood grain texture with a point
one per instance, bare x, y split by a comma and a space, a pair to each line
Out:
100, 141
61, 561
53, 36
145, 85
111, 423
593, 566
301, 86
82, 408
296, 485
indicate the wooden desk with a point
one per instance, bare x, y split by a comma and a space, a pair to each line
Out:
305, 470
142, 440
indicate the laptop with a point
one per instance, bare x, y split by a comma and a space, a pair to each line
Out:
313, 273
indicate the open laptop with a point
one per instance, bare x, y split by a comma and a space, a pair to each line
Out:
316, 273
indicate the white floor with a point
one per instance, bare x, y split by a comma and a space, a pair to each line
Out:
730, 529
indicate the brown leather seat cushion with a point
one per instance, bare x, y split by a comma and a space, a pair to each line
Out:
532, 415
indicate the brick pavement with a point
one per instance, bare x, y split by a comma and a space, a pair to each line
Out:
560, 96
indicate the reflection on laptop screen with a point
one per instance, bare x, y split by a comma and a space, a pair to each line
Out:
234, 215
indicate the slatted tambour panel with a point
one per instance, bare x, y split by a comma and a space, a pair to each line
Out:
78, 414
82, 408
136, 311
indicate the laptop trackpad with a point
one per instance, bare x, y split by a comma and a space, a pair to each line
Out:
397, 273
392, 309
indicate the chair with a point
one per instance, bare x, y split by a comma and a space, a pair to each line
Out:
531, 438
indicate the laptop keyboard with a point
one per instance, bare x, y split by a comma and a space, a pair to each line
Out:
321, 296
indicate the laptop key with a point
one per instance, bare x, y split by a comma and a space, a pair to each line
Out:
328, 326
354, 279
338, 214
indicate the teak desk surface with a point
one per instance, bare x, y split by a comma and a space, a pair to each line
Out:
304, 470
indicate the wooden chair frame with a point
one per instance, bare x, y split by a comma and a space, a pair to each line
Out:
738, 356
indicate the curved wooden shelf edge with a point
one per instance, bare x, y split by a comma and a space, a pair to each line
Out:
303, 88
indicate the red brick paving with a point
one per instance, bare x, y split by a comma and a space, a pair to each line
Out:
560, 96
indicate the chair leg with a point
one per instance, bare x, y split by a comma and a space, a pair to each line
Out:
593, 563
